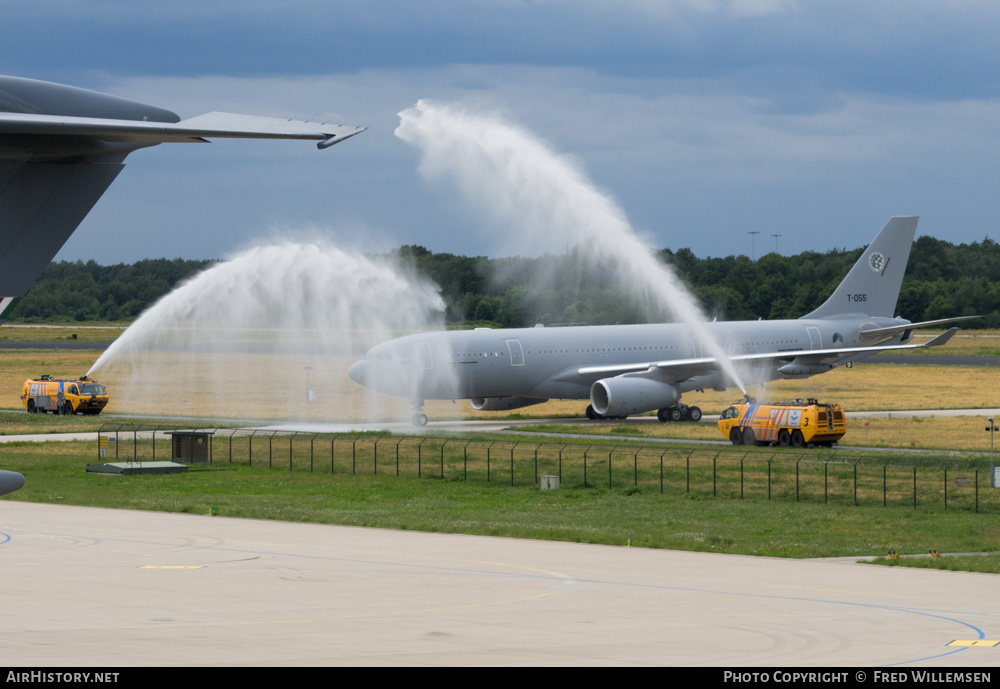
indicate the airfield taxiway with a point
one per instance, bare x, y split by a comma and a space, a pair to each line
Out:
108, 588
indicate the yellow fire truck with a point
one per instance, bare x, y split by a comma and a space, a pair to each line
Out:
800, 423
60, 396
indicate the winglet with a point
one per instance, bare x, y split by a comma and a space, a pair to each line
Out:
337, 138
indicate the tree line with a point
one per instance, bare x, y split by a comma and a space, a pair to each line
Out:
942, 280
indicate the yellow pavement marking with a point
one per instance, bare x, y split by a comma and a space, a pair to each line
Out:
974, 642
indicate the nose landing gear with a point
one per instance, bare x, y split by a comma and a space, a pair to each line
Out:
419, 418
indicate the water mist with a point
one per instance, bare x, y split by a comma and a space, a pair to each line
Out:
253, 335
546, 203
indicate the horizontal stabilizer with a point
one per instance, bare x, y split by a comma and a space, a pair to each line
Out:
873, 335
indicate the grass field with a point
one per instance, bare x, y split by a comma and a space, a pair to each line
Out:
753, 526
989, 564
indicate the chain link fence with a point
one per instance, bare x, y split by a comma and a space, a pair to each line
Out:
813, 476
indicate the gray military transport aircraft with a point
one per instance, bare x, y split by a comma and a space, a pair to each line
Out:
631, 369
61, 147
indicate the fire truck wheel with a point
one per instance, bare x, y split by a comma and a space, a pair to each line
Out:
748, 437
797, 439
736, 437
784, 437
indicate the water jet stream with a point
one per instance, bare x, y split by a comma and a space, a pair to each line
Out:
252, 334
546, 203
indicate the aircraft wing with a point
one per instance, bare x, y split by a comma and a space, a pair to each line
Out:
195, 129
800, 362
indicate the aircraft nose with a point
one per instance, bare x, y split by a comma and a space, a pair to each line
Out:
357, 372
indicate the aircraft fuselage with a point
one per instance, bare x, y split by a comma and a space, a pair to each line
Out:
547, 363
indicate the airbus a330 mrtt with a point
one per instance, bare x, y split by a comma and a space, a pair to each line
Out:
631, 369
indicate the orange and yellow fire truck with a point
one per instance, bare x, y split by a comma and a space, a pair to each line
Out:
789, 424
60, 396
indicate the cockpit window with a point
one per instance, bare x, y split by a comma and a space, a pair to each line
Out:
730, 413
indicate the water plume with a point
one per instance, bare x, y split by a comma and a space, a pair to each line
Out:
545, 202
252, 335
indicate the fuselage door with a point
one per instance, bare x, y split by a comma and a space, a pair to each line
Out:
424, 359
815, 341
516, 353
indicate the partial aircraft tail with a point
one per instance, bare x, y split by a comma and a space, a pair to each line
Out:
872, 286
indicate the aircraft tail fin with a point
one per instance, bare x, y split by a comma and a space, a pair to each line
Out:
872, 286
40, 206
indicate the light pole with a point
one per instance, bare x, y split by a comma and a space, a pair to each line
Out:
753, 253
775, 242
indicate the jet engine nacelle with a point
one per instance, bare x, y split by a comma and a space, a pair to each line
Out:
502, 403
624, 396
804, 368
10, 481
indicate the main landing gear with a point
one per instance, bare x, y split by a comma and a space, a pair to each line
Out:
679, 412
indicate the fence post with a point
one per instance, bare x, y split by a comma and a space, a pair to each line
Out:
333, 445
635, 469
769, 477
154, 445
797, 478
585, 466
442, 457
536, 463
914, 486
826, 482
856, 483
512, 464
883, 482
291, 438
977, 490
946, 484
661, 471
397, 455
714, 493
687, 486
465, 461
488, 448
354, 454
609, 465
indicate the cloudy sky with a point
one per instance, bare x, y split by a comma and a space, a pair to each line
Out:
704, 119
